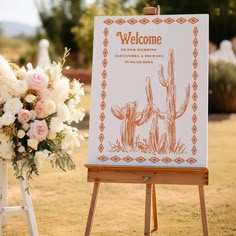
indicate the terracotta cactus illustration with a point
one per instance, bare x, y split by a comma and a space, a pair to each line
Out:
128, 125
131, 118
171, 113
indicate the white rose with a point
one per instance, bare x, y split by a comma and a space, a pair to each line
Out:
30, 98
21, 133
13, 106
33, 143
7, 119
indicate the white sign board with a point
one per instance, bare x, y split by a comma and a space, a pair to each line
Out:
149, 104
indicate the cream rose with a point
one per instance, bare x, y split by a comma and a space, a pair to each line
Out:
33, 143
30, 98
50, 106
37, 79
21, 133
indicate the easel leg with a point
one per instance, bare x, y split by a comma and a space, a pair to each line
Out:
3, 192
92, 208
31, 220
147, 227
154, 208
203, 210
1, 196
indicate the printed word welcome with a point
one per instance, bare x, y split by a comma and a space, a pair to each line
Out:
136, 38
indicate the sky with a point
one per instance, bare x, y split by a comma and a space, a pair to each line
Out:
21, 11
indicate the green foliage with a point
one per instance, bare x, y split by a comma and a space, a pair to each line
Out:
84, 32
222, 87
58, 19
221, 14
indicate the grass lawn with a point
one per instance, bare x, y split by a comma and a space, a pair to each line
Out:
61, 200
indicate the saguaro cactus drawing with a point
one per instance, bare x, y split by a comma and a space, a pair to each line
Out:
131, 118
171, 113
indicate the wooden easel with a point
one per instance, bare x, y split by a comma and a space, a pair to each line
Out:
149, 176
27, 206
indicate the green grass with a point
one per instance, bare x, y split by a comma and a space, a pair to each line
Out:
61, 200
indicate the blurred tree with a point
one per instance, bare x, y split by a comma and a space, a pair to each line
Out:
84, 32
221, 14
58, 18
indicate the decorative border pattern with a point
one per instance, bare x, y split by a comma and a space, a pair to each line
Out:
154, 159
195, 87
103, 93
142, 159
145, 21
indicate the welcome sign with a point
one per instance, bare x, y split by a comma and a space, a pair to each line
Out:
149, 100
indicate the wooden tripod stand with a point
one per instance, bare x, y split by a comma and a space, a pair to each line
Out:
27, 206
149, 176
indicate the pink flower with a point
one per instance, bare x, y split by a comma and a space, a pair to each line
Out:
24, 116
40, 109
38, 130
36, 79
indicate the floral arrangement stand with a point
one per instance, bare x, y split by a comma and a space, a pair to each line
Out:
27, 206
37, 109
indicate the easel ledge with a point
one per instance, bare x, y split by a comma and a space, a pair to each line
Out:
147, 175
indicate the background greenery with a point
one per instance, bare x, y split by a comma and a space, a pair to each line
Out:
69, 23
222, 87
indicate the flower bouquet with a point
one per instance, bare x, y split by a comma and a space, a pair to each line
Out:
37, 107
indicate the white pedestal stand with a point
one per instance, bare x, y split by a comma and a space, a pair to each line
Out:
27, 206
